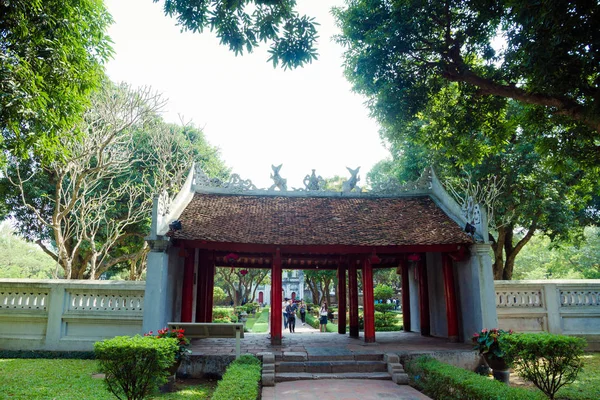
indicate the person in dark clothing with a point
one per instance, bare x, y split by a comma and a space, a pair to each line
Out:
290, 309
303, 313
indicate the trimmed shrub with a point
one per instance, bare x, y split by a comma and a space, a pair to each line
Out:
240, 381
549, 361
383, 292
135, 366
385, 319
223, 314
445, 382
384, 307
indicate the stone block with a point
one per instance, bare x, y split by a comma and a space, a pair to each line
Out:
400, 379
268, 379
395, 368
391, 358
267, 357
294, 356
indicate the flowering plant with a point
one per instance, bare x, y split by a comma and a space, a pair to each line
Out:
178, 334
487, 342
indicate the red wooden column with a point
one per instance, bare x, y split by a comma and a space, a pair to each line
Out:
405, 295
368, 300
450, 291
353, 298
423, 297
210, 286
201, 288
187, 291
341, 297
276, 315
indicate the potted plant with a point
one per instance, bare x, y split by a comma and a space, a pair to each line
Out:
488, 344
182, 352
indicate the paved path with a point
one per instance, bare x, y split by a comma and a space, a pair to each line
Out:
340, 389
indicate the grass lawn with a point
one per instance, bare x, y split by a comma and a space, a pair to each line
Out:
587, 385
70, 379
261, 322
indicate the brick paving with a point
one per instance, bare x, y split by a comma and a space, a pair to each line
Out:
311, 342
307, 343
334, 389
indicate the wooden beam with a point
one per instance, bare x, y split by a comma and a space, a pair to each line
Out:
276, 315
405, 296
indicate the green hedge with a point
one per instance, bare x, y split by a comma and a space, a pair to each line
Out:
78, 355
135, 366
445, 382
240, 381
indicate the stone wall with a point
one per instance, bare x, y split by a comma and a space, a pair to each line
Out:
569, 307
60, 315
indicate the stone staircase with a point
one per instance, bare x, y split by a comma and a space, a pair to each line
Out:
299, 366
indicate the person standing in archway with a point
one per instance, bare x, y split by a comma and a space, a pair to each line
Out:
291, 313
303, 312
323, 317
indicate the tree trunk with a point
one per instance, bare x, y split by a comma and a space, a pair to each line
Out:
504, 247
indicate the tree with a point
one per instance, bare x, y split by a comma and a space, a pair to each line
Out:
319, 283
90, 211
399, 54
20, 259
51, 59
545, 259
242, 25
219, 295
241, 285
383, 292
534, 198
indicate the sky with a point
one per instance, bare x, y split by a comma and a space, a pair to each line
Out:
256, 115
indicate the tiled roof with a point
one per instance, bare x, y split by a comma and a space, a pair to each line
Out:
318, 221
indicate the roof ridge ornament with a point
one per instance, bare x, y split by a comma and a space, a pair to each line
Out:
313, 182
278, 181
350, 184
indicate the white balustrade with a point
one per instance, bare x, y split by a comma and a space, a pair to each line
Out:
19, 300
67, 315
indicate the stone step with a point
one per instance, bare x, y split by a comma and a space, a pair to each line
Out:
331, 366
301, 356
301, 376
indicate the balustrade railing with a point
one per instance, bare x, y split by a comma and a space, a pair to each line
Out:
67, 315
557, 306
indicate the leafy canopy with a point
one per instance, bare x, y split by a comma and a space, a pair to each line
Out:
409, 57
243, 24
51, 56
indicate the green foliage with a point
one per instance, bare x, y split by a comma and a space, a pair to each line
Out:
71, 380
219, 295
438, 59
549, 361
262, 321
385, 320
587, 385
443, 381
224, 315
489, 342
242, 25
104, 187
52, 56
544, 259
51, 379
241, 380
383, 292
135, 366
19, 259
384, 307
